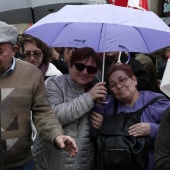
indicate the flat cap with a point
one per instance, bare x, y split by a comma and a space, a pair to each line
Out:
8, 33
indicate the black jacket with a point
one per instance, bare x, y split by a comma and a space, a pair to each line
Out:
162, 143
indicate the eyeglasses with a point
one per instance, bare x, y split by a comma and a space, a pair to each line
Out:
121, 81
35, 54
90, 69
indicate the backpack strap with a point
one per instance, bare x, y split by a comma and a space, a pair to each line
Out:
151, 102
115, 104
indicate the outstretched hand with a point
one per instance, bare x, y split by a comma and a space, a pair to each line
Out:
67, 143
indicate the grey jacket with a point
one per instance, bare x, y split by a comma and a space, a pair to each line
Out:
71, 106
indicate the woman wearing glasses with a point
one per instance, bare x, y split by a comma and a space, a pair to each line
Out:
39, 54
122, 84
72, 98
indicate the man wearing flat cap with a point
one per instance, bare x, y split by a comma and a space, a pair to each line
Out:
22, 91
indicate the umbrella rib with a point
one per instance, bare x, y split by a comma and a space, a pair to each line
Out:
104, 50
100, 35
142, 38
60, 32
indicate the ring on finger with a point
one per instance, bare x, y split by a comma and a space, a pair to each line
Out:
97, 87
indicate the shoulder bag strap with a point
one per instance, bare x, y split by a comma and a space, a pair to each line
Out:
145, 106
151, 102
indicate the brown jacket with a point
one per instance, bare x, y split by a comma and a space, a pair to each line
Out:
23, 91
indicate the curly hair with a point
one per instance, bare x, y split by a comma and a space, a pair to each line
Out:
46, 50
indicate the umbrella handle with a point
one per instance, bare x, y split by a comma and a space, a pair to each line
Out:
103, 66
121, 53
119, 56
104, 53
128, 58
119, 60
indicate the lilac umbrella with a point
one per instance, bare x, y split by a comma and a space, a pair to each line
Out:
103, 27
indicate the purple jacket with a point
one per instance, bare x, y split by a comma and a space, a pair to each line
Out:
152, 114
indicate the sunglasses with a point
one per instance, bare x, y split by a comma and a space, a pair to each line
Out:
35, 54
90, 69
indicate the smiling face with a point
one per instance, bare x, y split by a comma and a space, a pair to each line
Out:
123, 87
82, 78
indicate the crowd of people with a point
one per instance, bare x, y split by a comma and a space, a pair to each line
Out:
52, 103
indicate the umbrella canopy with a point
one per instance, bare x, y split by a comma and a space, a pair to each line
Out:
103, 27
30, 11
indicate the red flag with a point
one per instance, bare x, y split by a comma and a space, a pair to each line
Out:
144, 4
118, 2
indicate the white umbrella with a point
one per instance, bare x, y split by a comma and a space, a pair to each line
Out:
30, 11
165, 83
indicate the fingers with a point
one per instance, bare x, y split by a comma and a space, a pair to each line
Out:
139, 129
99, 91
95, 114
135, 130
67, 143
96, 120
136, 133
70, 146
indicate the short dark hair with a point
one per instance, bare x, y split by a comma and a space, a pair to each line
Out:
85, 53
126, 68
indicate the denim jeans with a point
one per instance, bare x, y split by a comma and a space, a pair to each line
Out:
28, 166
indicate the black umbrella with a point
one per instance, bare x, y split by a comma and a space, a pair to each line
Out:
30, 11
